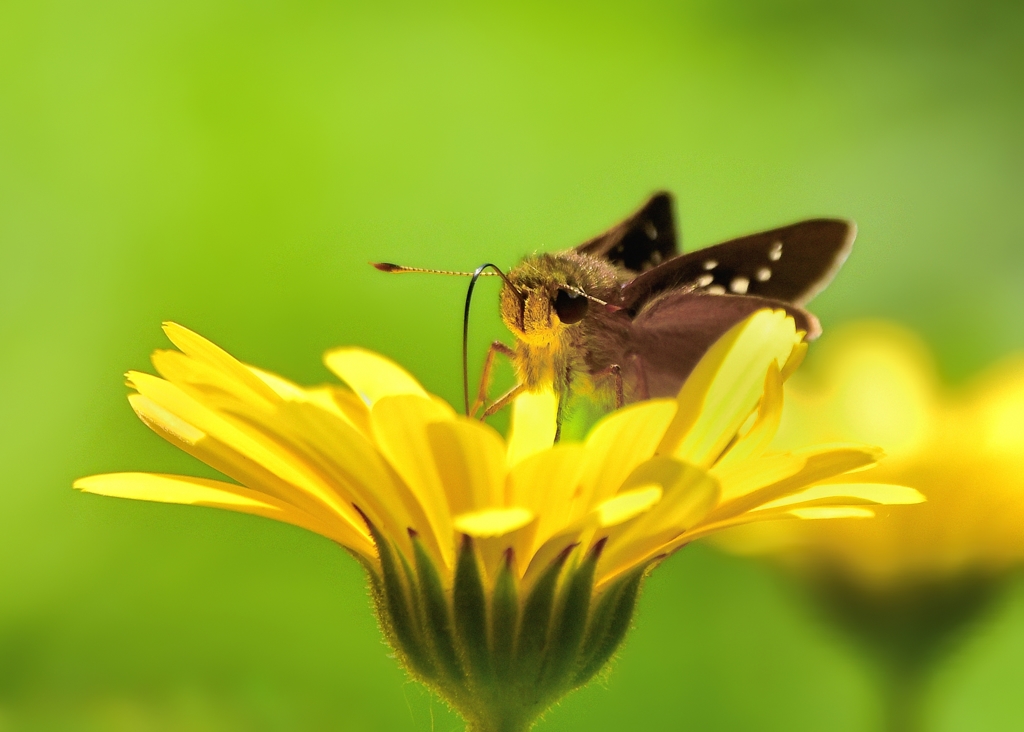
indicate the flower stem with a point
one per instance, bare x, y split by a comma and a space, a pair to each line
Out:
906, 631
903, 696
499, 725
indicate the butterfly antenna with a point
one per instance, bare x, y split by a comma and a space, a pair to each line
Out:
475, 275
595, 300
401, 269
479, 272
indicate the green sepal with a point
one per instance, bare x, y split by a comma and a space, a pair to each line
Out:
415, 600
401, 620
608, 625
570, 620
435, 605
504, 615
496, 654
372, 575
536, 623
469, 604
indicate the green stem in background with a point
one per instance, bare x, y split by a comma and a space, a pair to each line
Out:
903, 697
907, 630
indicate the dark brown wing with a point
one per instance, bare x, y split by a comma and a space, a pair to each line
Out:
671, 335
791, 264
644, 240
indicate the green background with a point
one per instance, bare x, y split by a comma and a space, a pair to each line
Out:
234, 166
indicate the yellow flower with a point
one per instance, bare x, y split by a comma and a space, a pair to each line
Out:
504, 572
875, 382
907, 583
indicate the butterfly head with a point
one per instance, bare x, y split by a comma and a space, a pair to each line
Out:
546, 295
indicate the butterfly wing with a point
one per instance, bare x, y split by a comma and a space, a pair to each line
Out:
791, 264
670, 336
641, 242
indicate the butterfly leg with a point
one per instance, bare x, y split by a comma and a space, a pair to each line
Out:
615, 371
560, 410
485, 375
503, 401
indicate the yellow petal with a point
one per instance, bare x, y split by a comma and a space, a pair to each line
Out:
628, 504
617, 444
206, 382
546, 483
741, 478
153, 414
296, 452
399, 427
202, 492
253, 444
354, 408
305, 422
177, 489
470, 459
220, 456
883, 493
827, 512
534, 415
688, 494
760, 435
796, 358
205, 352
819, 465
348, 460
282, 387
821, 502
493, 521
371, 375
726, 386
339, 402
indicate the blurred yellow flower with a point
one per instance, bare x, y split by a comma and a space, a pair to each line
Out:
875, 382
909, 582
504, 572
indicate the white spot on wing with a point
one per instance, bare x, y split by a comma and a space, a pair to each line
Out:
652, 231
715, 290
710, 264
656, 257
763, 274
739, 285
775, 253
704, 280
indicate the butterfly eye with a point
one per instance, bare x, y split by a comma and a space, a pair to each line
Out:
570, 306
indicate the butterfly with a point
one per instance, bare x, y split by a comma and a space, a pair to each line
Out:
625, 316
